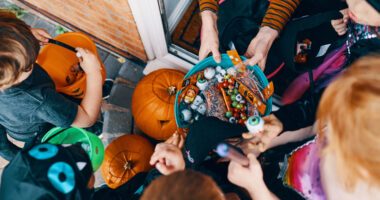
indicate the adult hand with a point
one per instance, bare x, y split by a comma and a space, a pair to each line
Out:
88, 61
340, 25
250, 178
209, 37
41, 35
260, 141
167, 158
259, 47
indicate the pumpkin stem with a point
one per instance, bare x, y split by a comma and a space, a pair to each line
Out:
172, 90
128, 165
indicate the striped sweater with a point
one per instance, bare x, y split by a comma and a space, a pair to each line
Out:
276, 17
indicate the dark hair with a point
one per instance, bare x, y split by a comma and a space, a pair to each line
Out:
184, 185
18, 48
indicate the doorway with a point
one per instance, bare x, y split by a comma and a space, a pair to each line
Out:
182, 25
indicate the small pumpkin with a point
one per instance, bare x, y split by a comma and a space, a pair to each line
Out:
153, 103
124, 158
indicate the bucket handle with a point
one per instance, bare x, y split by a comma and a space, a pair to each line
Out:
54, 135
61, 44
64, 45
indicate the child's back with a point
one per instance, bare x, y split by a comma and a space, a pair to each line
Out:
31, 107
29, 104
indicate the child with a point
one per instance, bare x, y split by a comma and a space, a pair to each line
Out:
50, 171
343, 161
29, 103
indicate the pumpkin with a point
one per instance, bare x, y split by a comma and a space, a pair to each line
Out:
124, 158
153, 103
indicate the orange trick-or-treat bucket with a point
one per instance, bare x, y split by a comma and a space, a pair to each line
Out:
62, 64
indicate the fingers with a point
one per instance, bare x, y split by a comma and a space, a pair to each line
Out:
163, 168
254, 60
44, 33
340, 25
181, 142
203, 53
262, 64
336, 22
162, 152
216, 55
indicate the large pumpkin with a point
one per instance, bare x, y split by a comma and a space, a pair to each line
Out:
124, 158
153, 103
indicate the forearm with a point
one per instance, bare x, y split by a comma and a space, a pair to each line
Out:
209, 19
279, 13
294, 136
89, 108
261, 192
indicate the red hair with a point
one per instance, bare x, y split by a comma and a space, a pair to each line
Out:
350, 107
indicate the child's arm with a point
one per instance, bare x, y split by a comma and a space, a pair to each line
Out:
250, 178
88, 110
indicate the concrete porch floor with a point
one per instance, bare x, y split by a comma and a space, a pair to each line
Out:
116, 110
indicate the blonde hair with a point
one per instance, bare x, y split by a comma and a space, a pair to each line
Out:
350, 107
18, 49
184, 185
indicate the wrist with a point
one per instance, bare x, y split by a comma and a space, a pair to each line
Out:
268, 33
94, 75
209, 18
259, 191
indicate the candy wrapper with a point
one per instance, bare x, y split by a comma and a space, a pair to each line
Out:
228, 90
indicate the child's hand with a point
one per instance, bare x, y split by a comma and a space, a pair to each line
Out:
260, 141
41, 35
246, 177
177, 139
167, 158
340, 25
88, 61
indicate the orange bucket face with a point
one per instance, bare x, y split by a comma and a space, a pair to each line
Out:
62, 65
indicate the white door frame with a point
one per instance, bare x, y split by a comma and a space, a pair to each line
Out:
149, 24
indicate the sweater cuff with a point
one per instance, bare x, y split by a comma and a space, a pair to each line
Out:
210, 5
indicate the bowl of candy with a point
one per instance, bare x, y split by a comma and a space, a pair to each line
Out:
228, 90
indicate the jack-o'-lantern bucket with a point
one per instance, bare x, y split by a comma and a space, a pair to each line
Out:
59, 60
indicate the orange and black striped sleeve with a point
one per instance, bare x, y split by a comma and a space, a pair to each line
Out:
211, 5
279, 13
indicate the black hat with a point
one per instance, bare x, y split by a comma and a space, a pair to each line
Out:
48, 171
204, 135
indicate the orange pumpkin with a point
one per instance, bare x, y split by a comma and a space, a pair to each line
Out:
124, 158
153, 103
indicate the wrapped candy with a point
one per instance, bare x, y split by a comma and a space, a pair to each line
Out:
209, 73
186, 115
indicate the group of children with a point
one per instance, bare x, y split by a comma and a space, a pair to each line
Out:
336, 160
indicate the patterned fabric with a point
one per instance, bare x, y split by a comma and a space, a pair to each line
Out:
48, 171
301, 171
279, 13
357, 32
276, 17
211, 5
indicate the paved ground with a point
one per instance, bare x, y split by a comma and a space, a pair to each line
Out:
126, 73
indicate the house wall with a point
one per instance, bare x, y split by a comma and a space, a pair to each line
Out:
109, 22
